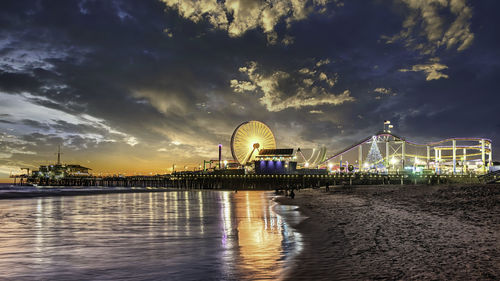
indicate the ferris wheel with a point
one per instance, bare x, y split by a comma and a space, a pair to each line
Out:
248, 137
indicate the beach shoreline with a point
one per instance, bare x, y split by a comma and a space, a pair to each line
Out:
34, 192
24, 192
398, 232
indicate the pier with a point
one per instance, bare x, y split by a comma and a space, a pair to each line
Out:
270, 182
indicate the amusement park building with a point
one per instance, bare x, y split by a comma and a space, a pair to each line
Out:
398, 154
253, 142
275, 161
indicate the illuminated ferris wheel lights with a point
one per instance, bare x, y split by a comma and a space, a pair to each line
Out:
250, 137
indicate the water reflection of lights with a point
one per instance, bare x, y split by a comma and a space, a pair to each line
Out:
174, 213
227, 242
187, 212
262, 236
150, 204
237, 236
248, 206
200, 207
226, 218
165, 208
39, 227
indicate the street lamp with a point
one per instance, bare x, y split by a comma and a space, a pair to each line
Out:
394, 161
386, 123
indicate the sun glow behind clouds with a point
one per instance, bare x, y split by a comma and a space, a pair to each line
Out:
314, 89
240, 16
432, 70
432, 24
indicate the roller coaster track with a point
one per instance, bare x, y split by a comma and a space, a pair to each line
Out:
398, 138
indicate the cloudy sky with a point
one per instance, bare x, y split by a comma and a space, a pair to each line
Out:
135, 86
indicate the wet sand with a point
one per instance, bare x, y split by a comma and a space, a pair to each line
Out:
399, 232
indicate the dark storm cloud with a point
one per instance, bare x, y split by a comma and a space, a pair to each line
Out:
17, 82
35, 124
152, 77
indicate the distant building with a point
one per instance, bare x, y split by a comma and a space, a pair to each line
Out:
61, 171
275, 161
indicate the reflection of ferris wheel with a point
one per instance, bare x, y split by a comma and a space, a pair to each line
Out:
248, 137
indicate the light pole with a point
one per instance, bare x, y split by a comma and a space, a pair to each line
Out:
220, 155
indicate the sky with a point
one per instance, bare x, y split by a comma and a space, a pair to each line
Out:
137, 86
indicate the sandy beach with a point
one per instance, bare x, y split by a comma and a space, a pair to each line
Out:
399, 232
